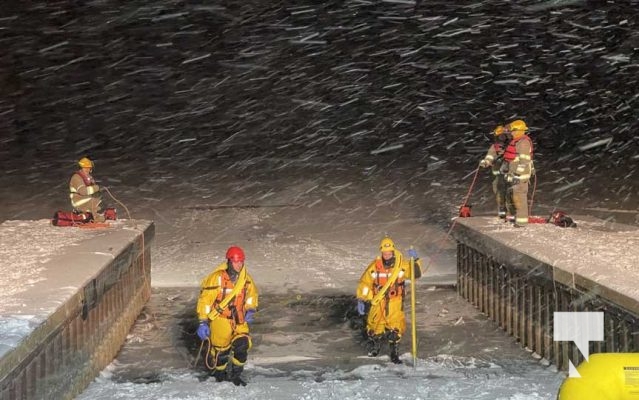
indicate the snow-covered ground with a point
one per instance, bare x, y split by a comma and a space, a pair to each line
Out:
430, 380
305, 131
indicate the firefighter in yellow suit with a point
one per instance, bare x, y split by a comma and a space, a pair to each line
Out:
226, 306
380, 294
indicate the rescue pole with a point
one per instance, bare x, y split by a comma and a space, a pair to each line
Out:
412, 310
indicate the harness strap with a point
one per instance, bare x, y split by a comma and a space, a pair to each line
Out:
390, 281
222, 305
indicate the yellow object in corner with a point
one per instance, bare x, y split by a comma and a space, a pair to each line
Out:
606, 376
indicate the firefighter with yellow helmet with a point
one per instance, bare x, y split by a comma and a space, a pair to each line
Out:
226, 306
380, 295
84, 192
518, 169
494, 158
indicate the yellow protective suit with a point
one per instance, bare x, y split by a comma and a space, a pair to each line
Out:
227, 324
386, 311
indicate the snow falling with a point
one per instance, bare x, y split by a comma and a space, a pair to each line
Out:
306, 130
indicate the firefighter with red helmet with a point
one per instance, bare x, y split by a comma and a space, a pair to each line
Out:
380, 295
226, 306
84, 192
518, 169
494, 158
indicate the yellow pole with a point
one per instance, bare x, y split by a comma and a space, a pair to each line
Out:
412, 310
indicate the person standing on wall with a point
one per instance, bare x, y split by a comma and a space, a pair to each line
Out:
518, 169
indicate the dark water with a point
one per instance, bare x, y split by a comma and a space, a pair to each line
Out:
343, 76
213, 83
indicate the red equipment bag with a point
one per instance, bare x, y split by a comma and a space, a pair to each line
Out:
464, 211
560, 218
70, 218
110, 214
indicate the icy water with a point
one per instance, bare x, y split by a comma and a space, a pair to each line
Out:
315, 339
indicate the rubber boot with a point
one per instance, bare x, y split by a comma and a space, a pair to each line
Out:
219, 375
373, 346
235, 377
394, 353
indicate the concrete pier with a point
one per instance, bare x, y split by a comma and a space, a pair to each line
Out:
68, 299
519, 277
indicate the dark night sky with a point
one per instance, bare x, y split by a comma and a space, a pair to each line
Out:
239, 79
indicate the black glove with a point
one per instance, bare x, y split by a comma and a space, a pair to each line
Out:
512, 179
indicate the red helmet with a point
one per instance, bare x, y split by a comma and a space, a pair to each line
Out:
235, 254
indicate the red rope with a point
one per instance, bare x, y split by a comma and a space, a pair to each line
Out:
432, 258
470, 192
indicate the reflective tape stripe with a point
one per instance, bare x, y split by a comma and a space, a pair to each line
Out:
365, 291
521, 221
249, 301
489, 158
401, 273
524, 157
219, 281
80, 202
207, 309
380, 274
90, 190
520, 169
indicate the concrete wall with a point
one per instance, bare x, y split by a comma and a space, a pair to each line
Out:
64, 353
521, 292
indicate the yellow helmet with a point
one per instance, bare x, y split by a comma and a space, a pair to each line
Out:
85, 163
499, 130
387, 245
518, 125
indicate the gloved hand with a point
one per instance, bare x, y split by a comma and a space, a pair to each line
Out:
203, 331
484, 164
361, 307
412, 253
249, 317
512, 179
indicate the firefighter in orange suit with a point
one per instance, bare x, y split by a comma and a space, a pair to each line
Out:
494, 158
380, 294
83, 191
518, 161
225, 308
